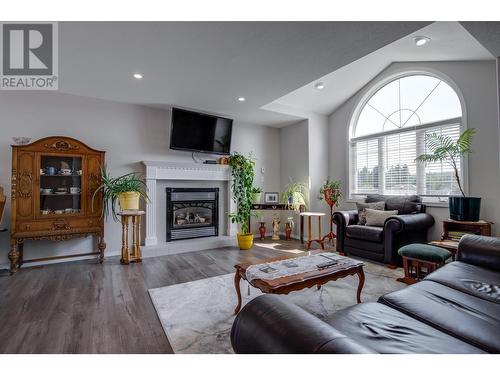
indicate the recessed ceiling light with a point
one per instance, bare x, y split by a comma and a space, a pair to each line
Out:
319, 85
137, 75
421, 40
241, 99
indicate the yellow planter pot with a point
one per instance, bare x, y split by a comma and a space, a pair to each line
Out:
129, 200
245, 241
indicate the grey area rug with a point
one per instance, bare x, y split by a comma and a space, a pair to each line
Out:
197, 316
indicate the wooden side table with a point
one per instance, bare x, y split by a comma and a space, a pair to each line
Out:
320, 240
133, 218
480, 227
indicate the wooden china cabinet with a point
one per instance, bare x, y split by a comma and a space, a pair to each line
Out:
53, 180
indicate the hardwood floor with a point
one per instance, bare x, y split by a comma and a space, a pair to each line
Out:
84, 307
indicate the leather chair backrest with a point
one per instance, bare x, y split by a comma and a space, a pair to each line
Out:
405, 204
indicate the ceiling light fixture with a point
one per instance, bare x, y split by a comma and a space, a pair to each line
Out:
319, 85
421, 40
241, 99
137, 75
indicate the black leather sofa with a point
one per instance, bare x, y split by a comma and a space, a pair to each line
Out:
382, 243
455, 309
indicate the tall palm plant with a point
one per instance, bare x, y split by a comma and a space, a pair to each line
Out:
445, 149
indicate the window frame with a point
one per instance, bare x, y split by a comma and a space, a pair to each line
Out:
431, 200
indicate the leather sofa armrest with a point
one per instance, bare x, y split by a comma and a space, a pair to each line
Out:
410, 222
342, 219
480, 251
269, 324
345, 218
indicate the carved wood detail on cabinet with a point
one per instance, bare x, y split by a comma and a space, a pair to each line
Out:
53, 180
61, 145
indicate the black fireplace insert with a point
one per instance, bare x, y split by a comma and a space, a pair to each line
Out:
192, 213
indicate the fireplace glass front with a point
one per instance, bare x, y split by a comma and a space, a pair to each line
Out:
192, 213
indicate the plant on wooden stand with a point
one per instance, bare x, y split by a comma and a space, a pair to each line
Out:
125, 190
331, 193
242, 173
443, 148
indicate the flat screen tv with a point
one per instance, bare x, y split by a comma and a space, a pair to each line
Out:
200, 132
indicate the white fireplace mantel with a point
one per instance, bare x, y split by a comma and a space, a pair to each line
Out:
160, 170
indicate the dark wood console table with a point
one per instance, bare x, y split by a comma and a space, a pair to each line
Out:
279, 207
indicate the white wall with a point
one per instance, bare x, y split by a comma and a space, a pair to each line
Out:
318, 163
128, 134
294, 161
476, 81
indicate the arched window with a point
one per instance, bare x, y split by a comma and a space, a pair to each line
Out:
389, 133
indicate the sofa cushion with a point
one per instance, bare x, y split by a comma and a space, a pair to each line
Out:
458, 314
425, 252
386, 330
363, 206
377, 218
365, 232
467, 278
405, 204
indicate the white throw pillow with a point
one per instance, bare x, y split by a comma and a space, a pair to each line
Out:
376, 218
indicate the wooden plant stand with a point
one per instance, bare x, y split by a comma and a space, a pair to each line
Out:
133, 218
331, 203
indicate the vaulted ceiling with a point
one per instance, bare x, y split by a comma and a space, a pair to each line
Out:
208, 65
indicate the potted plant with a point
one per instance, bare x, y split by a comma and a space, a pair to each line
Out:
256, 194
295, 195
126, 190
242, 173
330, 192
443, 148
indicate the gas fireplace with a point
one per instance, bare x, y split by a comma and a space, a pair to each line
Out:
192, 213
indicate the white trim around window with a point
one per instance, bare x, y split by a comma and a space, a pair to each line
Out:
399, 147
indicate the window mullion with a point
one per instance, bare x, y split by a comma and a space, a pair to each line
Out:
420, 144
381, 164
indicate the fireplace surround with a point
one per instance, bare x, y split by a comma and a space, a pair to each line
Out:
162, 174
192, 213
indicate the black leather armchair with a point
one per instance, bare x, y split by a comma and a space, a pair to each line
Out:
382, 243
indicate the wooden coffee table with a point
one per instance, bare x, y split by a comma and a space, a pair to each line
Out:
287, 284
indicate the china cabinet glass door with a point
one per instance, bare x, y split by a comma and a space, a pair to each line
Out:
60, 185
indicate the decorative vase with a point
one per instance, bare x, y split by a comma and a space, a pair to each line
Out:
245, 241
256, 198
129, 200
262, 230
288, 231
464, 208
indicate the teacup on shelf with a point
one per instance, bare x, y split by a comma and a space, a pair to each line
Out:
45, 191
58, 212
65, 172
45, 212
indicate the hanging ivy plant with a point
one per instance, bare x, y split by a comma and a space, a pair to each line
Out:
242, 173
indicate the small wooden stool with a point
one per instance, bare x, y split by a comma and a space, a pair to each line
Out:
134, 255
320, 239
419, 260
